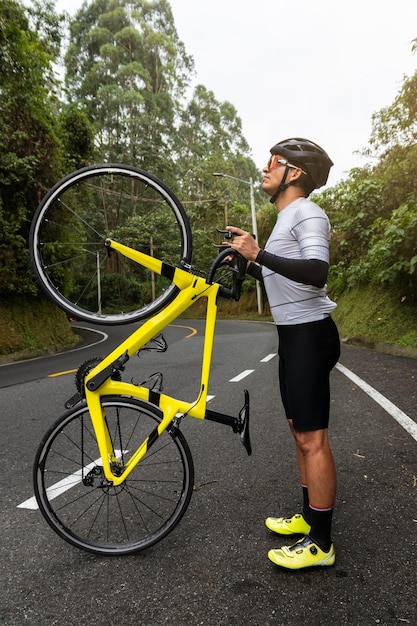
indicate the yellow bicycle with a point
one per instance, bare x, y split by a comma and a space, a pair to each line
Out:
111, 244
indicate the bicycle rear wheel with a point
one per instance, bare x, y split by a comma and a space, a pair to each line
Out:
88, 512
68, 231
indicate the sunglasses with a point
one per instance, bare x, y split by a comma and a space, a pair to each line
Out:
275, 161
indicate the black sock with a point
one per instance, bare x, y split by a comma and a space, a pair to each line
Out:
306, 504
321, 527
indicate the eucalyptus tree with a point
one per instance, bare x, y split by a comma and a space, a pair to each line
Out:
211, 140
128, 69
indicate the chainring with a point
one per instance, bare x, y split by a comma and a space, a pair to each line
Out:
85, 368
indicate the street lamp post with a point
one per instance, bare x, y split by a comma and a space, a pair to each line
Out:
254, 226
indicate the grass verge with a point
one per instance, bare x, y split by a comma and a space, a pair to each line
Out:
33, 327
370, 317
377, 318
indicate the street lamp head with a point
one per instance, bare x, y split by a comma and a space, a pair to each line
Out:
240, 180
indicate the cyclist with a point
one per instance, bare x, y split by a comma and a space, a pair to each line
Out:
293, 266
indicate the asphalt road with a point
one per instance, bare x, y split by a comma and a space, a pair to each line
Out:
212, 570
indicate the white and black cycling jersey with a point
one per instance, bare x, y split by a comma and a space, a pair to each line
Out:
301, 233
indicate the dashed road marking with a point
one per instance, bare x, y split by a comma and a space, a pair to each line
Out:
240, 376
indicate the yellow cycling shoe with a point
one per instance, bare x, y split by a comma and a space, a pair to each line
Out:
295, 525
304, 553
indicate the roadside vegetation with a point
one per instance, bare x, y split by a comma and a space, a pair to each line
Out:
112, 85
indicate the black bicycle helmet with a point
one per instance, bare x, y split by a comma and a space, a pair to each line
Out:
308, 156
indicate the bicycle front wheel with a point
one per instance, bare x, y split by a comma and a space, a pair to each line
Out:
68, 231
84, 508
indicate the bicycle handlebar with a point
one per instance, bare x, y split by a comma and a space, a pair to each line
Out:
238, 273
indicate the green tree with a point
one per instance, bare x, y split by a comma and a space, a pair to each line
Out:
127, 67
77, 135
397, 123
29, 145
392, 259
374, 211
129, 71
210, 140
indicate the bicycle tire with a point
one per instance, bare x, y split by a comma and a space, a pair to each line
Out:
92, 515
74, 267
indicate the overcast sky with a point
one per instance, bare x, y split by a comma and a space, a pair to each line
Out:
308, 68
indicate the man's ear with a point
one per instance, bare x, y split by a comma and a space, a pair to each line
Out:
295, 174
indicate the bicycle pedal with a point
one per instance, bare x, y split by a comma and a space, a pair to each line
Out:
75, 399
244, 425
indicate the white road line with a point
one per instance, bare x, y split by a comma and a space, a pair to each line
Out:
268, 357
403, 420
63, 485
240, 376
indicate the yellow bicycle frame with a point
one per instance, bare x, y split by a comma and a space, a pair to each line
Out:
191, 289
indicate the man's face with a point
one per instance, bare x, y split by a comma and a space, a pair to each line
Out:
273, 173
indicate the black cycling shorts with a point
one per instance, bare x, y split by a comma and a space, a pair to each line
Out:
307, 354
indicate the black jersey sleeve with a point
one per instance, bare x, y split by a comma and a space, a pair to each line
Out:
306, 271
254, 271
